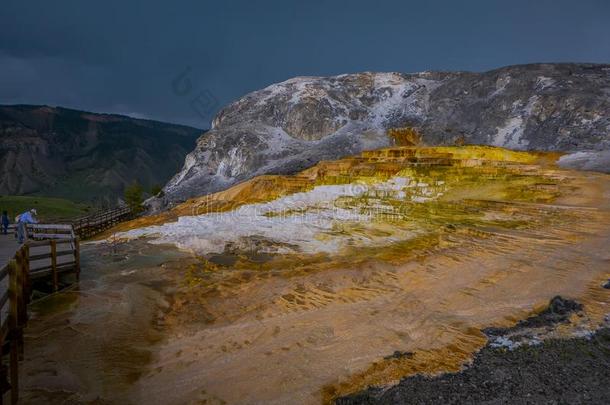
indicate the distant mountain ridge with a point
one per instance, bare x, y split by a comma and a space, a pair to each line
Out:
288, 126
86, 156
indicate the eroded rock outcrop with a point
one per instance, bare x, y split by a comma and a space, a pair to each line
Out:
291, 125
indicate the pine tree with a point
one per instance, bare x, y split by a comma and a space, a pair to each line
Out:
133, 197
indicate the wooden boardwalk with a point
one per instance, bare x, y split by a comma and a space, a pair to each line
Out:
51, 251
93, 224
55, 252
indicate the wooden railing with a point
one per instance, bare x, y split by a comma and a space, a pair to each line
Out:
89, 226
35, 260
12, 317
52, 258
46, 231
50, 231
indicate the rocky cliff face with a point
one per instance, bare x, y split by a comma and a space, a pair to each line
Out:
292, 125
85, 156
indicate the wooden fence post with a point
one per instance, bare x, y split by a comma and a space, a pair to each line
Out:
13, 331
27, 287
21, 306
54, 265
3, 370
3, 374
77, 258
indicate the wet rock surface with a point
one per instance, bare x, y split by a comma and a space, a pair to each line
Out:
558, 311
294, 124
285, 309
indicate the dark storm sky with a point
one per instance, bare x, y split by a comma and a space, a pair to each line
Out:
122, 56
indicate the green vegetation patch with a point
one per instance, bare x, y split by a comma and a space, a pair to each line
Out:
49, 209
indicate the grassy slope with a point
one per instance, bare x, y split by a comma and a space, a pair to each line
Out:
49, 209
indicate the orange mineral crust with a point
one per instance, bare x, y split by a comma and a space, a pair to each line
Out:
361, 271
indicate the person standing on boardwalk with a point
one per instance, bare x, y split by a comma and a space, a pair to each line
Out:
28, 217
5, 222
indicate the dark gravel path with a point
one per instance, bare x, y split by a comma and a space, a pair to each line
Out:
558, 371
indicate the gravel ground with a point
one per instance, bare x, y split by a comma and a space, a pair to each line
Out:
556, 371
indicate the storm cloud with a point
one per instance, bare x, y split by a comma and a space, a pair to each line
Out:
125, 57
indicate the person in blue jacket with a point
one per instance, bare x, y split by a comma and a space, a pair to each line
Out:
28, 217
5, 222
